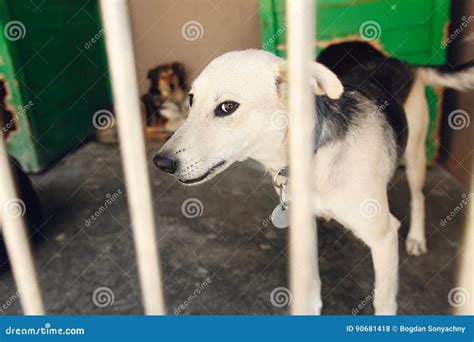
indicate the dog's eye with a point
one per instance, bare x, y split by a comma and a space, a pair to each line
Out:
226, 108
191, 97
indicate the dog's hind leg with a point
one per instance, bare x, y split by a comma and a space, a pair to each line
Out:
416, 109
316, 302
367, 215
416, 171
384, 249
382, 238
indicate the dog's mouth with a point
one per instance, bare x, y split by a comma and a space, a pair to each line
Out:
201, 179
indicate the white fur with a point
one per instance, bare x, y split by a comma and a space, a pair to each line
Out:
175, 115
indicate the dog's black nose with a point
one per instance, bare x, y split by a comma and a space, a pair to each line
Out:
165, 163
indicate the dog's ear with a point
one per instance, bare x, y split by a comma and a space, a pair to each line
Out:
323, 80
180, 71
151, 74
153, 77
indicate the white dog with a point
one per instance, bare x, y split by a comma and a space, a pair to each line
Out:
362, 134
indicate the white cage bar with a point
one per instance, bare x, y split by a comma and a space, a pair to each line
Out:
121, 60
466, 272
15, 235
303, 238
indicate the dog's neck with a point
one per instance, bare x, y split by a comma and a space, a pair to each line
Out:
272, 152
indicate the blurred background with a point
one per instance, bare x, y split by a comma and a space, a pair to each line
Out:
59, 125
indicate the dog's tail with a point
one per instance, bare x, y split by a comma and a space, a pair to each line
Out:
460, 77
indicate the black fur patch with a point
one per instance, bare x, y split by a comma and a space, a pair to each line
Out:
384, 81
334, 117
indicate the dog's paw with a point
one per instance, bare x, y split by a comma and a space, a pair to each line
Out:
415, 247
390, 310
315, 310
316, 306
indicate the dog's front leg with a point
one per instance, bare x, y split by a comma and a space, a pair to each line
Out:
317, 303
384, 250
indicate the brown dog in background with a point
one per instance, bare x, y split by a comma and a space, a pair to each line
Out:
167, 90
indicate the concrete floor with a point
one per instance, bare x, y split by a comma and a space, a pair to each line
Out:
228, 243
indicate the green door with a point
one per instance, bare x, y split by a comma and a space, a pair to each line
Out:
411, 30
53, 67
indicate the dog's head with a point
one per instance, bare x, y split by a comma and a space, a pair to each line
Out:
167, 80
234, 107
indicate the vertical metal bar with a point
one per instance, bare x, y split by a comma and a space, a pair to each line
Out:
16, 239
303, 238
463, 297
121, 60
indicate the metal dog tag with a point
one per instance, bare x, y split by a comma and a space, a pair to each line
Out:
280, 217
